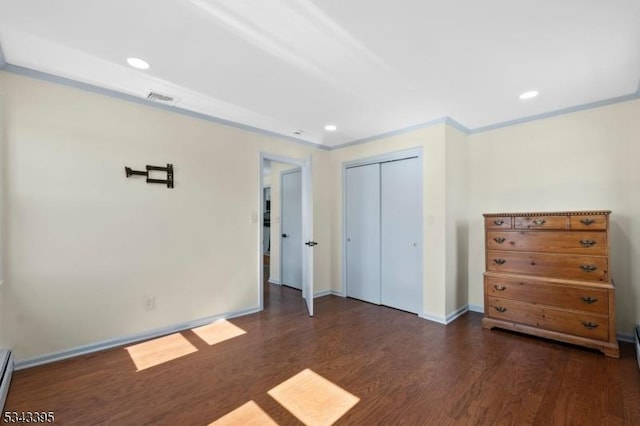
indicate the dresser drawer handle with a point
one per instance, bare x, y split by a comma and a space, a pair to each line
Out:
588, 268
587, 222
498, 222
500, 287
501, 309
589, 299
539, 222
590, 325
499, 240
499, 261
587, 243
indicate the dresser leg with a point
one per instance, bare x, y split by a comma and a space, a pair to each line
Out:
611, 352
486, 323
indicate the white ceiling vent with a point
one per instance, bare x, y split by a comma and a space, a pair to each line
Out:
159, 97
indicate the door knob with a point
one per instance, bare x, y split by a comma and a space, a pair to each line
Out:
284, 235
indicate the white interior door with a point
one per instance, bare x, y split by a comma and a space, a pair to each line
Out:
401, 234
307, 233
363, 232
291, 228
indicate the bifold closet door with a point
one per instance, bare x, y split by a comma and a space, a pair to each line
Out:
401, 234
363, 232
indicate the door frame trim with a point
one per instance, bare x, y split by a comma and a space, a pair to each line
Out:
280, 159
382, 158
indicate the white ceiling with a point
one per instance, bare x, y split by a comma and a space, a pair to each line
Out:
368, 66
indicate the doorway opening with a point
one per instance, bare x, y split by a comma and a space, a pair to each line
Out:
280, 177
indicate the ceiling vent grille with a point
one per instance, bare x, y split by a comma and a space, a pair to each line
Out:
159, 97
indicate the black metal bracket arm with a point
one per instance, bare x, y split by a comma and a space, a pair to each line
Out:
168, 181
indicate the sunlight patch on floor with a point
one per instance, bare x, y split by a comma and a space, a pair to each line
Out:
249, 414
313, 399
160, 350
218, 331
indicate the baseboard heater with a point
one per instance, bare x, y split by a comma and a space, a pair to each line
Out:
637, 339
6, 361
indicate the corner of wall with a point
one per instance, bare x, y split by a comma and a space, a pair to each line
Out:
457, 229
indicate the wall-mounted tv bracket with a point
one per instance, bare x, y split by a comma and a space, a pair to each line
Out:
168, 169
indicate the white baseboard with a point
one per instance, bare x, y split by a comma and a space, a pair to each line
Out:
434, 318
321, 293
112, 343
327, 293
338, 293
476, 308
274, 281
449, 318
456, 314
626, 337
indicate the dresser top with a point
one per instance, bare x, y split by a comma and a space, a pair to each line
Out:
567, 213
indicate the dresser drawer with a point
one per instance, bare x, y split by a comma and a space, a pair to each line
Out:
589, 222
589, 268
567, 242
541, 293
497, 222
541, 222
576, 323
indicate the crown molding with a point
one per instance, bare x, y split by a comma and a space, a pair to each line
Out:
446, 120
39, 75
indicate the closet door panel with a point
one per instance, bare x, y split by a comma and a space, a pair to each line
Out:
401, 235
363, 232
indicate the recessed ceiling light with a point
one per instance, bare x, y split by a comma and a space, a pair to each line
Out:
330, 127
529, 95
141, 64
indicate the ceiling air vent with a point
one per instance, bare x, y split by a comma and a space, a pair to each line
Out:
159, 97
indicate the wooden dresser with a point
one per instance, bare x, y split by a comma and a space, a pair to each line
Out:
547, 274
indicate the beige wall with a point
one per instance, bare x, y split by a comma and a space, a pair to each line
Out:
85, 245
457, 238
584, 160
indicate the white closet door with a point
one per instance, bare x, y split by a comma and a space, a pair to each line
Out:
291, 228
401, 234
363, 232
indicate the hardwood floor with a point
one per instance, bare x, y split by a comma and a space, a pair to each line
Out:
403, 370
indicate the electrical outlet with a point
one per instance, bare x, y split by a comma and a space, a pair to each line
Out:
149, 303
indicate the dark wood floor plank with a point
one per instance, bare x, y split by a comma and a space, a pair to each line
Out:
404, 370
